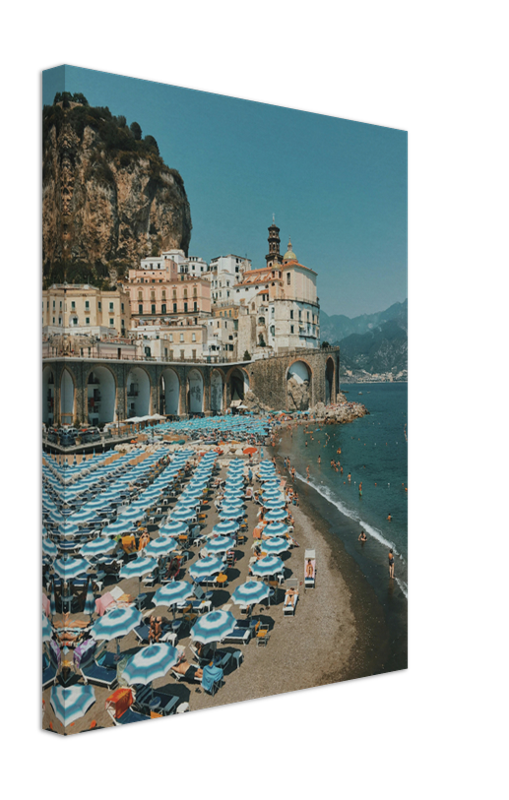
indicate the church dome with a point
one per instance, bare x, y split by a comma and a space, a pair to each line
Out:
289, 255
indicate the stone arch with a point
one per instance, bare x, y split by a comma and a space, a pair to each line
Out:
101, 400
238, 383
138, 389
48, 396
169, 392
195, 392
299, 389
67, 398
217, 386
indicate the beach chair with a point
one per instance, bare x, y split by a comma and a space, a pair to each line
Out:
309, 568
290, 602
96, 674
118, 707
184, 671
242, 633
262, 635
49, 672
148, 701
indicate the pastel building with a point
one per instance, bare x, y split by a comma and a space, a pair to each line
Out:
84, 309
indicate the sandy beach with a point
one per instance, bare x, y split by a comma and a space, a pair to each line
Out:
314, 647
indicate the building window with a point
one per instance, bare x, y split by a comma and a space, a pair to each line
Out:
73, 304
193, 337
153, 309
163, 308
111, 306
291, 314
288, 278
182, 355
194, 355
112, 321
171, 337
181, 337
171, 355
140, 309
87, 320
195, 306
174, 308
87, 304
291, 328
185, 308
122, 307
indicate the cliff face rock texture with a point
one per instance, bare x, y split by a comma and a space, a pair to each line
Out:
108, 198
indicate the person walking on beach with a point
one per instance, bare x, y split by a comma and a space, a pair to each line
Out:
293, 473
363, 538
391, 564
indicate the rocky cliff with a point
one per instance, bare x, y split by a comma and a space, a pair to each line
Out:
108, 197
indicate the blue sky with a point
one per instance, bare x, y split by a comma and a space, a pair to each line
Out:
337, 187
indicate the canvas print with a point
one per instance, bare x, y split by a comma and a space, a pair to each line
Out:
224, 400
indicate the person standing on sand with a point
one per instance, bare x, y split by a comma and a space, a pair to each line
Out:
293, 473
391, 564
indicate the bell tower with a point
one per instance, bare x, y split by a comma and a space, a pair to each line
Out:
274, 256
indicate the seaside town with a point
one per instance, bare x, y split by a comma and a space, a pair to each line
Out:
178, 565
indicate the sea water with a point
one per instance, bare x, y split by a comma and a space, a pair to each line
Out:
374, 453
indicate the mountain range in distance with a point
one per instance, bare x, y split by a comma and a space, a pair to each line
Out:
374, 347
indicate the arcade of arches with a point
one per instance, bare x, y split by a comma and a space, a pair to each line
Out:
94, 392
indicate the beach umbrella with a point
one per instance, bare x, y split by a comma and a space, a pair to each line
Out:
137, 568
270, 565
275, 546
276, 529
83, 516
49, 548
250, 451
213, 627
173, 592
89, 600
132, 514
250, 592
227, 526
98, 547
183, 514
52, 603
276, 515
116, 624
231, 512
47, 630
161, 546
274, 503
272, 493
68, 529
175, 528
117, 528
69, 568
206, 566
150, 663
71, 703
220, 544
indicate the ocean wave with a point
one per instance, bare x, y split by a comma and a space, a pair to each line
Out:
327, 494
403, 586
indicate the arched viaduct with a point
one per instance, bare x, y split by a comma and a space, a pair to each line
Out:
79, 391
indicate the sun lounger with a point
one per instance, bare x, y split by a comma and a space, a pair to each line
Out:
239, 635
262, 635
148, 701
98, 675
119, 708
185, 671
290, 603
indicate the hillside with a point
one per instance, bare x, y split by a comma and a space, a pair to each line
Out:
108, 197
372, 345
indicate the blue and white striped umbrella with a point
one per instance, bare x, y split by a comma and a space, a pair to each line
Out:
68, 529
228, 526
234, 496
206, 566
89, 600
98, 547
150, 663
71, 703
69, 568
187, 502
132, 514
231, 512
276, 515
275, 546
47, 630
270, 565
250, 592
173, 592
274, 503
213, 627
116, 623
160, 546
220, 544
276, 529
176, 528
138, 567
182, 514
49, 548
85, 515
117, 528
